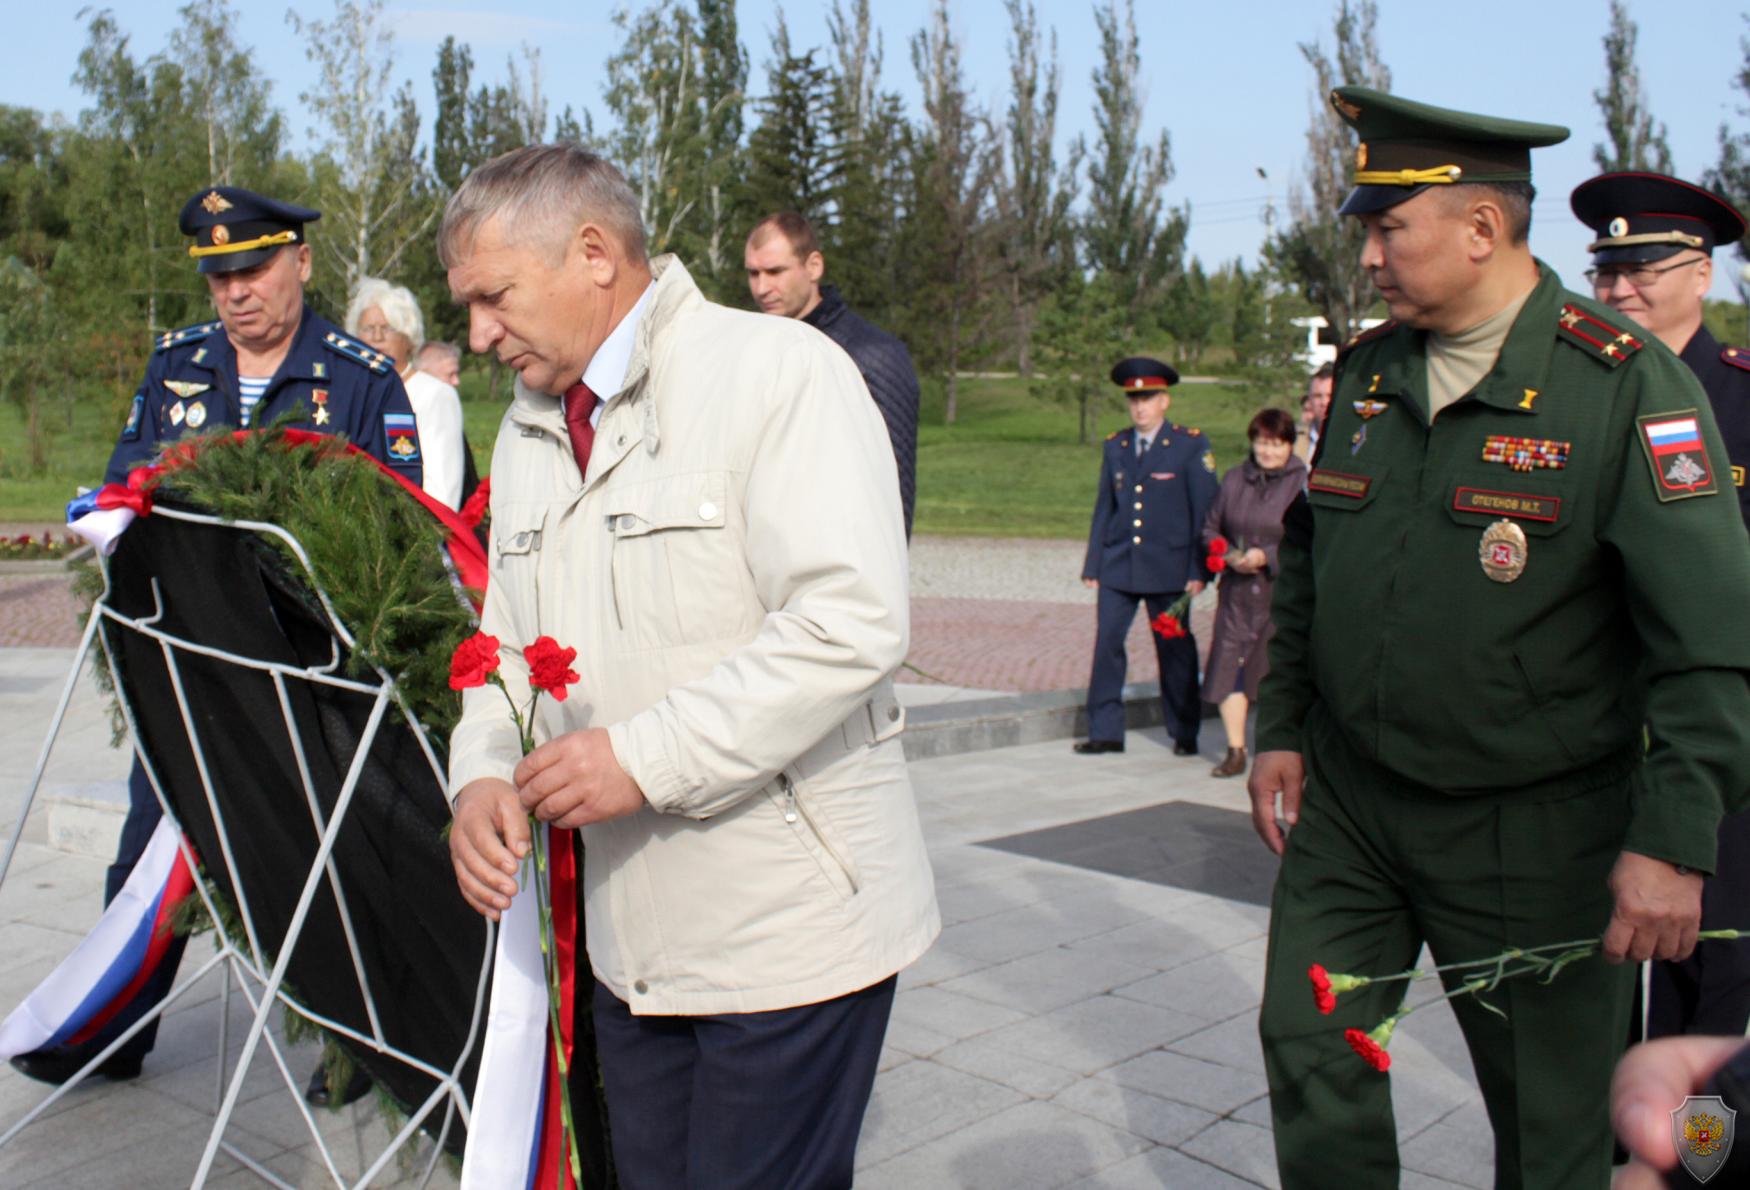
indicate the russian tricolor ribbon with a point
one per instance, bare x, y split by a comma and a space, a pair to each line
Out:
110, 965
516, 1134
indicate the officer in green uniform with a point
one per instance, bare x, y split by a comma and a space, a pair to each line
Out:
1513, 554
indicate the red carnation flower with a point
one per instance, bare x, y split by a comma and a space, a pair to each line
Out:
1168, 626
1322, 994
473, 659
1218, 545
1373, 1053
550, 666
1215, 563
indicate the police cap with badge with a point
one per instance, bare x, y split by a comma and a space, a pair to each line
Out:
236, 229
1140, 376
1406, 147
1639, 217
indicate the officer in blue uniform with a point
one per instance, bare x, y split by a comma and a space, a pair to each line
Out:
1652, 260
1157, 482
267, 353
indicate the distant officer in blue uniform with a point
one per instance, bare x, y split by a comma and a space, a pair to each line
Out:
267, 353
1157, 481
1652, 260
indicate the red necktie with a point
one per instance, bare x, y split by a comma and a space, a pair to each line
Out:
580, 402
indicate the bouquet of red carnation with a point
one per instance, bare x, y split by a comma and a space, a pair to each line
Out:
475, 663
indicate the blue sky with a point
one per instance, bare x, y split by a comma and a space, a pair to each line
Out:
1225, 79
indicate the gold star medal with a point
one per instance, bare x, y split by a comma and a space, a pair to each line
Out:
1502, 551
197, 415
320, 396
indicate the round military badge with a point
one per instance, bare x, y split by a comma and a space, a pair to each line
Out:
221, 234
1618, 228
197, 415
1502, 551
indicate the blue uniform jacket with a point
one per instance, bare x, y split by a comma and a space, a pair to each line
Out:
344, 387
1724, 373
1149, 512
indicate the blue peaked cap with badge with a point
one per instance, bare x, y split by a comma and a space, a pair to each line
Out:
1140, 376
235, 229
1639, 217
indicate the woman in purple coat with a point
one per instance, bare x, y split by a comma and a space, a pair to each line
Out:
1248, 514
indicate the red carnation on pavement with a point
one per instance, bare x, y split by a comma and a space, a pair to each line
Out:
550, 666
1322, 995
472, 661
1168, 626
1371, 1046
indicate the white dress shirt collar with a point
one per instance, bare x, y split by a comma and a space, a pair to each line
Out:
606, 373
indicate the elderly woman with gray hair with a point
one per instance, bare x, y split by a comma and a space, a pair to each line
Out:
387, 318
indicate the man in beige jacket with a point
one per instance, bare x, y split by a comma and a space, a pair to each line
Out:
729, 562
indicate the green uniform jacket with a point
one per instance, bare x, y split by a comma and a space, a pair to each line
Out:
1629, 611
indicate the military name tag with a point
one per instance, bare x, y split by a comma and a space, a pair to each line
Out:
1502, 551
1507, 504
1675, 452
1339, 484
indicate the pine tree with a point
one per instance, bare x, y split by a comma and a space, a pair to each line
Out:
789, 152
1633, 141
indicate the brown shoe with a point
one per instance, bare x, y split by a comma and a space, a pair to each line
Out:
1233, 766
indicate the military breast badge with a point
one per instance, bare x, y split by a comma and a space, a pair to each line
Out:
1526, 454
1369, 409
1674, 449
196, 415
320, 396
1502, 551
1702, 1129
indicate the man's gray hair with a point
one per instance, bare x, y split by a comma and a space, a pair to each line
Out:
435, 350
544, 193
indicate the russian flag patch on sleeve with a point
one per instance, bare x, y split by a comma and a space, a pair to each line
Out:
1677, 455
401, 432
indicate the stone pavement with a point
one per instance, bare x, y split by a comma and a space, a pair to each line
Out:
1087, 1019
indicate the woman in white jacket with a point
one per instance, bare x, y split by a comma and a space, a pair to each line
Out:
386, 318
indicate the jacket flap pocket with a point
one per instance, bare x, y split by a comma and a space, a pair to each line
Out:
1348, 490
1482, 501
677, 502
518, 529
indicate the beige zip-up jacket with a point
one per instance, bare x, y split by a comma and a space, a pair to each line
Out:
732, 573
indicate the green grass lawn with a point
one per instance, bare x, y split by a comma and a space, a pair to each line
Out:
1010, 466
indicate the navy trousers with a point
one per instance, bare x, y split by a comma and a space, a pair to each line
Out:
741, 1101
1181, 704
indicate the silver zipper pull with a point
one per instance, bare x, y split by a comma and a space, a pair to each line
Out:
789, 798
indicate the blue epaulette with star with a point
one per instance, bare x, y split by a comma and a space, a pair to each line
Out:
376, 361
188, 334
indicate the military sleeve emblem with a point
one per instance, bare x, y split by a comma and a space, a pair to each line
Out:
1702, 1131
1677, 455
136, 413
402, 433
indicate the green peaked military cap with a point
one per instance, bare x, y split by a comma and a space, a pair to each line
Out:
1408, 146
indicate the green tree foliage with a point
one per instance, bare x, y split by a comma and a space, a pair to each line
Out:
954, 173
27, 369
1731, 174
1632, 141
1127, 231
1034, 234
1317, 251
1078, 333
789, 153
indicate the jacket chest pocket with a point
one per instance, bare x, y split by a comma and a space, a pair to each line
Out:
678, 573
518, 535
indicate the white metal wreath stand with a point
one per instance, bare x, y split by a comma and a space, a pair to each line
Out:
258, 976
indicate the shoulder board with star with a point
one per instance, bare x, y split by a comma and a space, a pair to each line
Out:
1113, 435
188, 334
376, 361
1738, 357
1604, 341
1368, 335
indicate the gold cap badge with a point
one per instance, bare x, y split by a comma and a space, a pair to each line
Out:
215, 202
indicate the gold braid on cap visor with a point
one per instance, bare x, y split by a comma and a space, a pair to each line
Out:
271, 241
1407, 177
1648, 237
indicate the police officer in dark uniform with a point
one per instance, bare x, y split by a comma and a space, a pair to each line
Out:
1652, 260
267, 353
1157, 481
